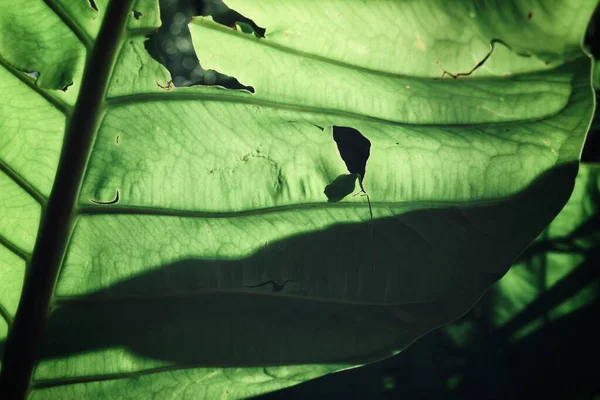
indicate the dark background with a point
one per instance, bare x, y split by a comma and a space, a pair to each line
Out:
556, 360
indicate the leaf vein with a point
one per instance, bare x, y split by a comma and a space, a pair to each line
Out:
71, 23
136, 210
4, 314
23, 184
186, 95
14, 248
56, 102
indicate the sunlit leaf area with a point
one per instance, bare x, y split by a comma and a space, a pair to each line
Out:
299, 199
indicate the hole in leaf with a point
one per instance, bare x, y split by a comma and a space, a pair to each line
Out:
172, 45
226, 16
93, 5
136, 14
33, 74
354, 149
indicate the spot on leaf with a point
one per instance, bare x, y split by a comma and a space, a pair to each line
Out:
136, 14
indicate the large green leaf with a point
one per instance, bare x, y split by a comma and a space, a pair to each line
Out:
163, 210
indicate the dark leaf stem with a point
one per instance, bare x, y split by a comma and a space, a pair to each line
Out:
58, 219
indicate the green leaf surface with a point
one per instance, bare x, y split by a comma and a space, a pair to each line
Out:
569, 244
202, 258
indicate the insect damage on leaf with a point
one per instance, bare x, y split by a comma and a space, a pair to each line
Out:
354, 149
224, 15
248, 29
93, 5
168, 86
105, 203
33, 75
64, 88
171, 45
136, 14
275, 287
477, 66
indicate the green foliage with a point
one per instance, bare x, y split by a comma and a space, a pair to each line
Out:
561, 255
185, 200
566, 245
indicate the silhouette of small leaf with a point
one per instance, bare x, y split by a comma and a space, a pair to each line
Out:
341, 187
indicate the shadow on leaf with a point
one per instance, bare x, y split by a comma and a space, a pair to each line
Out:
185, 315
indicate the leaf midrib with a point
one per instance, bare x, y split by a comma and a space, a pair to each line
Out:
58, 218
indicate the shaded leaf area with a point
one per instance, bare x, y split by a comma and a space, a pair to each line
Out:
555, 362
544, 345
240, 326
172, 45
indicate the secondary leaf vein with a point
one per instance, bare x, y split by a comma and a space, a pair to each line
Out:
136, 210
187, 95
71, 23
22, 182
14, 248
56, 102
